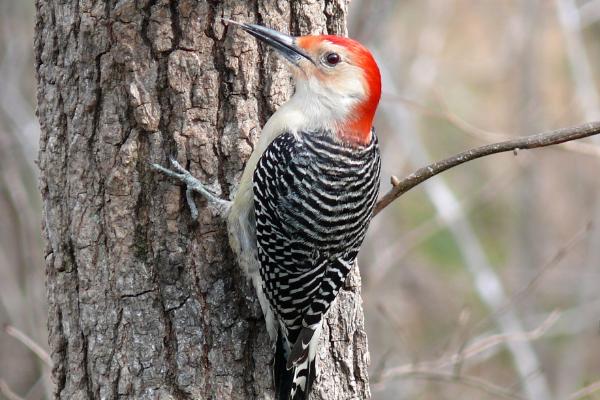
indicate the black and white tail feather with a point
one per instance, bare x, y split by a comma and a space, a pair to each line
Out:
313, 199
294, 380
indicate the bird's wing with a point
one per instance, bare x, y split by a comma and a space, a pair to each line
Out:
290, 266
313, 200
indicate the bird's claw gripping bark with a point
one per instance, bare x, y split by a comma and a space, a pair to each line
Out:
193, 185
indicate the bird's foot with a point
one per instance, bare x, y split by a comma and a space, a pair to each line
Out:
193, 185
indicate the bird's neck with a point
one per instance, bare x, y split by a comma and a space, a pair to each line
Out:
357, 131
348, 119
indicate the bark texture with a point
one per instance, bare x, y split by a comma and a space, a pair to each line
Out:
144, 302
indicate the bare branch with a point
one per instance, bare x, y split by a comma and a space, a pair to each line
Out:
585, 391
556, 258
472, 350
522, 143
30, 344
470, 381
7, 391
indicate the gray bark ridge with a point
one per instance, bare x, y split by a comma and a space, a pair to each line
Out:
145, 303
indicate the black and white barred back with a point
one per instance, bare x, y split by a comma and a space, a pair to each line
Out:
313, 199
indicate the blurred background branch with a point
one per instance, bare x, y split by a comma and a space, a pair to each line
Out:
469, 351
22, 291
588, 99
470, 381
484, 135
30, 344
7, 392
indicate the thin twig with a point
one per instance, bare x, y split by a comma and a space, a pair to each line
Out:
29, 343
568, 325
482, 134
585, 391
448, 116
522, 143
473, 350
7, 391
470, 381
554, 260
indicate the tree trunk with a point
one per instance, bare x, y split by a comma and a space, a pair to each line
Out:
144, 302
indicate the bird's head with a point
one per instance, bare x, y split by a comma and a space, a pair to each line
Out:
337, 79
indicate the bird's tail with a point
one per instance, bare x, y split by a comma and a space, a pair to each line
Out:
295, 369
282, 376
304, 376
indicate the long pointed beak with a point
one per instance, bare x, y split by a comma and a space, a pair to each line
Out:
284, 44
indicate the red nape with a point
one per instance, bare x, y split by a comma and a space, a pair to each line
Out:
358, 130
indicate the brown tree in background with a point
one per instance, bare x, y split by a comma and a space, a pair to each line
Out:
144, 302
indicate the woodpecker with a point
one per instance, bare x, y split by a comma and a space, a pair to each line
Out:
306, 196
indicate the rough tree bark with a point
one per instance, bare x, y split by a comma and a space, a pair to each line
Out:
144, 302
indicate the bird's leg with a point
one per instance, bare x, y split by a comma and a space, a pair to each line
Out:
193, 185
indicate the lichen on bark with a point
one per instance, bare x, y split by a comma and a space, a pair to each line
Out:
145, 303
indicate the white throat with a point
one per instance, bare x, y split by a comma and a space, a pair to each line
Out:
322, 107
315, 106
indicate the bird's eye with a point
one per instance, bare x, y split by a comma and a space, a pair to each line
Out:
333, 59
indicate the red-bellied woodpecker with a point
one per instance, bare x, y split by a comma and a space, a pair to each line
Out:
306, 197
